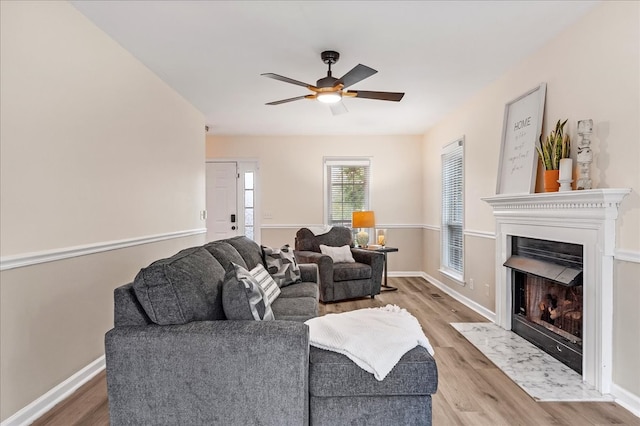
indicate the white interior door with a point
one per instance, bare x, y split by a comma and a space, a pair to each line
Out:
222, 200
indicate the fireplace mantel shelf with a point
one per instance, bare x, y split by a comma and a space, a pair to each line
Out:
590, 198
586, 204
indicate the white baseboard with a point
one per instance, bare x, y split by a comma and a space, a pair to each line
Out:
491, 316
46, 402
626, 399
405, 274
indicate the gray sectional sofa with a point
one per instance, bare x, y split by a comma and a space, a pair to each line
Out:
173, 357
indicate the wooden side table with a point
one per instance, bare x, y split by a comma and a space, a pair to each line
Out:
385, 250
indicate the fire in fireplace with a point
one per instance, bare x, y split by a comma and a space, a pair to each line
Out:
547, 297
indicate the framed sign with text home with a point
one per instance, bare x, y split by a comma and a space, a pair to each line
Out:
521, 129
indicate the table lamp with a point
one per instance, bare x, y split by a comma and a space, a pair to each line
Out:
365, 219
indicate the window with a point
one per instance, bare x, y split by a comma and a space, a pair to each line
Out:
249, 203
347, 189
452, 250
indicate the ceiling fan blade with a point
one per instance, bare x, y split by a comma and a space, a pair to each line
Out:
286, 79
338, 108
284, 101
357, 73
382, 96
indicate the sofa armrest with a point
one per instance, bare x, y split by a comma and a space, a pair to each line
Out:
368, 257
308, 272
209, 372
324, 262
373, 259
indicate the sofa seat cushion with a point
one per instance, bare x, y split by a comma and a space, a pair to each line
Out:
295, 308
183, 288
351, 271
300, 290
332, 374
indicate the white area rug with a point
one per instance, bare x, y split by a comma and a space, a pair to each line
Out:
543, 377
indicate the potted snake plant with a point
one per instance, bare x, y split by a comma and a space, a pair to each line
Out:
556, 146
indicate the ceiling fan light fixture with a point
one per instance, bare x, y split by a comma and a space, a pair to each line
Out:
330, 90
329, 97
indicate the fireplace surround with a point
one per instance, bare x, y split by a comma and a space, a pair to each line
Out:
586, 218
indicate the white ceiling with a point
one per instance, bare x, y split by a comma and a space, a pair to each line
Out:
438, 52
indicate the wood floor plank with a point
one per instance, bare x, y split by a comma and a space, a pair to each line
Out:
87, 406
472, 391
456, 388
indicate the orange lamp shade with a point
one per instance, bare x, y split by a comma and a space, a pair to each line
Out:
364, 219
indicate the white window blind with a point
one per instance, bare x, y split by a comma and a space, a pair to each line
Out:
347, 189
452, 251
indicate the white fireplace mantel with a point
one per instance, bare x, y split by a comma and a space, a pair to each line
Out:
587, 218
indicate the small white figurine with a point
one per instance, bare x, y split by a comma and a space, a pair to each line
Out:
585, 155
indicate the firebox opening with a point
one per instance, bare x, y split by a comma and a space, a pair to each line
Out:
547, 297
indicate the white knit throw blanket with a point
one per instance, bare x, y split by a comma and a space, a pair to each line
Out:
374, 338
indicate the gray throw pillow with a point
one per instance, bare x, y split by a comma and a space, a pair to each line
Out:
281, 264
242, 296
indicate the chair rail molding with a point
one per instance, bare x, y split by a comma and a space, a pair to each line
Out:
307, 225
28, 259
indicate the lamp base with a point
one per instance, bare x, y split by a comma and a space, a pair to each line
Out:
362, 238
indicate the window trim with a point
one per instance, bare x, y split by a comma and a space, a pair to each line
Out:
445, 269
342, 161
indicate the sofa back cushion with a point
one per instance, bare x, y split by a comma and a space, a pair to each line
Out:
248, 249
127, 310
182, 288
225, 253
338, 236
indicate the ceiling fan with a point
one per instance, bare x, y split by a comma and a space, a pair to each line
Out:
331, 90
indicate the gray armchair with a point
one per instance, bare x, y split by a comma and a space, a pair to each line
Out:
340, 281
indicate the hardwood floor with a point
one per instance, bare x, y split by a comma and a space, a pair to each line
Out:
471, 390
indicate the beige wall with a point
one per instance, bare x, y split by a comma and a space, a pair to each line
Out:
592, 71
53, 316
94, 148
626, 326
291, 178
